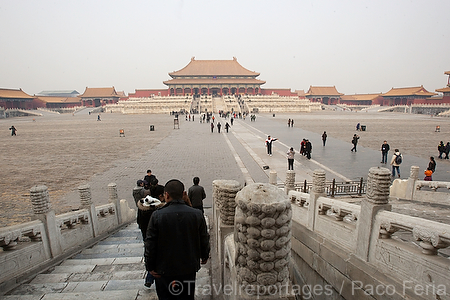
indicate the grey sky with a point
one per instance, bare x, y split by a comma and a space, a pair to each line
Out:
359, 46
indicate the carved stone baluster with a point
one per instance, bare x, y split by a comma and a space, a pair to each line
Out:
289, 184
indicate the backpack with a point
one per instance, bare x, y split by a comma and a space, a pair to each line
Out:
398, 159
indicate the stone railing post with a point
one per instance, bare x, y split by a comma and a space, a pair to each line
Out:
86, 202
113, 198
317, 190
224, 206
410, 187
377, 198
262, 237
40, 201
273, 177
289, 184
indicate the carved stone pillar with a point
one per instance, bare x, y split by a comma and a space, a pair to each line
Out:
224, 193
262, 237
289, 184
377, 198
410, 187
40, 201
273, 177
86, 202
317, 190
114, 198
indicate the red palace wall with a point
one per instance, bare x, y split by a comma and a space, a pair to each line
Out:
149, 93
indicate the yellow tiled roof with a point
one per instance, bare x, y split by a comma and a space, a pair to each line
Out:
444, 90
408, 91
447, 73
14, 94
214, 68
323, 91
228, 81
359, 97
99, 92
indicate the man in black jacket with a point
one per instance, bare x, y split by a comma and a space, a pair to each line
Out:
177, 239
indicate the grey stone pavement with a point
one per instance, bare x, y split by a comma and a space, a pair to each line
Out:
114, 268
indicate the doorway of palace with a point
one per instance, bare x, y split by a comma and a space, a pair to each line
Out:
215, 91
225, 91
233, 91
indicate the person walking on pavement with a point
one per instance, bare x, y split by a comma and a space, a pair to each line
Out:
196, 194
289, 122
290, 158
218, 126
441, 149
227, 126
396, 161
354, 142
177, 241
384, 152
432, 164
447, 150
308, 149
324, 138
13, 130
269, 142
212, 127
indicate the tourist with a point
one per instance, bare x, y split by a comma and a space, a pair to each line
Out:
227, 126
396, 160
13, 130
428, 175
441, 149
175, 246
212, 127
324, 138
358, 126
302, 147
140, 192
289, 122
308, 149
384, 152
354, 142
292, 123
231, 121
196, 194
432, 164
218, 127
148, 178
290, 158
269, 142
447, 150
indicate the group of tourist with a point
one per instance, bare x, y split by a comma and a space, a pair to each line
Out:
443, 149
175, 235
290, 122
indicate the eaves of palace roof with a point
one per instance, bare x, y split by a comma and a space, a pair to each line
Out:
360, 97
444, 90
447, 73
408, 91
99, 93
323, 91
50, 99
214, 68
214, 81
14, 94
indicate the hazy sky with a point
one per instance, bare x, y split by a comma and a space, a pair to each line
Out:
359, 46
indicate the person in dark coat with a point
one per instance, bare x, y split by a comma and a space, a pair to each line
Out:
384, 152
324, 138
447, 150
308, 149
13, 130
432, 164
196, 194
177, 241
441, 149
227, 126
354, 142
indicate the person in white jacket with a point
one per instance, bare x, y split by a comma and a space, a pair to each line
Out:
396, 160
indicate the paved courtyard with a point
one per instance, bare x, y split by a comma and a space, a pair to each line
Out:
65, 151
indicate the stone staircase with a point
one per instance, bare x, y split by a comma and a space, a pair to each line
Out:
111, 269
